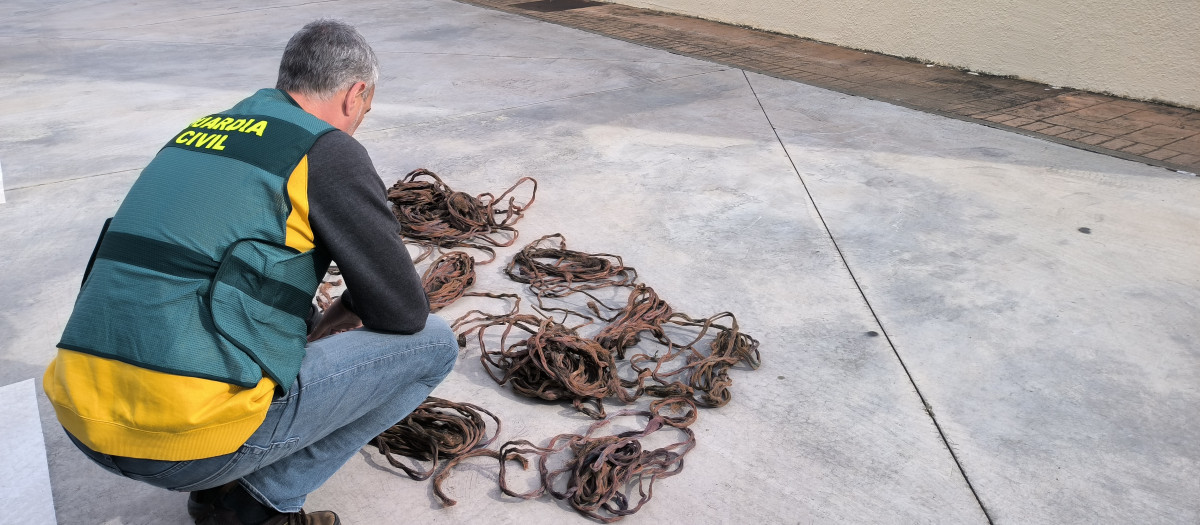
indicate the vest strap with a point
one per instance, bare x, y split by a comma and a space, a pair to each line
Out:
156, 255
271, 292
173, 259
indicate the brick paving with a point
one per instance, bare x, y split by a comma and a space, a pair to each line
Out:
1156, 134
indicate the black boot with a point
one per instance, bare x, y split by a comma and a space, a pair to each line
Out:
231, 505
202, 504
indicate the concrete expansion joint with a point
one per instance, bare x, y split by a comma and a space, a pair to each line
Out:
72, 179
863, 295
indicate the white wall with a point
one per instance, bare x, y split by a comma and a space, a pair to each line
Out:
1143, 49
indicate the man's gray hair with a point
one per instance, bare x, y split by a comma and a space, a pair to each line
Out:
324, 57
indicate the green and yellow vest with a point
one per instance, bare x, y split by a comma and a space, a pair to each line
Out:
193, 311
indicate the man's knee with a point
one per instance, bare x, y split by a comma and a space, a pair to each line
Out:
445, 344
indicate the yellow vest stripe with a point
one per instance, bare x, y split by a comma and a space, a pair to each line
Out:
299, 231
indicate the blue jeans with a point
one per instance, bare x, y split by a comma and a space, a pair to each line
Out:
352, 386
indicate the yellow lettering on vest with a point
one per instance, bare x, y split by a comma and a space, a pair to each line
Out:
207, 142
197, 136
219, 143
242, 128
199, 123
215, 123
227, 121
258, 128
183, 137
237, 124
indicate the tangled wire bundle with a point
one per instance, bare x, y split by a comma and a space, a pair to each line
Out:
436, 429
599, 473
644, 312
555, 271
448, 278
434, 216
705, 377
706, 374
553, 363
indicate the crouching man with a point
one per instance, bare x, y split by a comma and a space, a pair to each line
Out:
190, 361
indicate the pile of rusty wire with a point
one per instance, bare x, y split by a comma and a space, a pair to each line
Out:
436, 429
434, 216
447, 279
554, 362
703, 376
555, 271
599, 473
542, 357
644, 312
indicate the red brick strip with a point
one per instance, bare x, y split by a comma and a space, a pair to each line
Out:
1155, 134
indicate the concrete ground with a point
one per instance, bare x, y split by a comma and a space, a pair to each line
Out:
959, 324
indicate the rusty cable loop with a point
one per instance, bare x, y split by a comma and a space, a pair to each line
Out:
553, 362
703, 377
434, 216
599, 474
448, 278
436, 429
644, 311
555, 271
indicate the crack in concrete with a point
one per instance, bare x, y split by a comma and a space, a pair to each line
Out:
925, 404
72, 179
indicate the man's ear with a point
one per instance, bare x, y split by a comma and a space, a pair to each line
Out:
353, 98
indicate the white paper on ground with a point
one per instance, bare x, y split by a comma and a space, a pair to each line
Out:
24, 476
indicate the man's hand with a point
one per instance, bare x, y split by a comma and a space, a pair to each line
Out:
337, 319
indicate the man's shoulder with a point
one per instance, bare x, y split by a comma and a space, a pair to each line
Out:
337, 159
336, 143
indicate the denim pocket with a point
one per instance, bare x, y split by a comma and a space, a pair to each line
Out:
272, 452
148, 470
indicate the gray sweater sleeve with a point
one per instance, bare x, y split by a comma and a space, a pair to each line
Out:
354, 226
